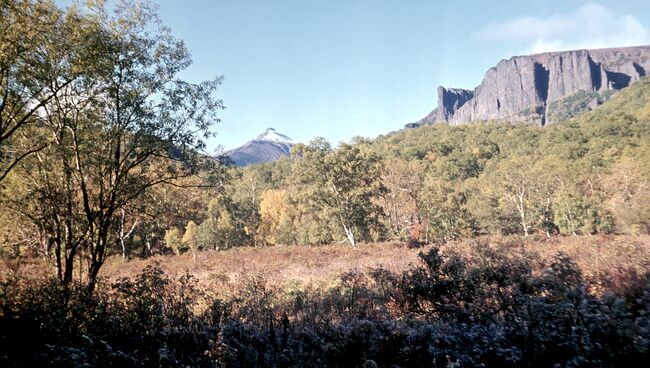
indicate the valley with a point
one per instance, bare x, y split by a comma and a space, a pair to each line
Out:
510, 227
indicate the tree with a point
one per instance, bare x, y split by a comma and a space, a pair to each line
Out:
629, 189
37, 55
403, 182
344, 183
517, 185
172, 205
125, 125
191, 238
174, 240
446, 210
276, 217
245, 191
222, 228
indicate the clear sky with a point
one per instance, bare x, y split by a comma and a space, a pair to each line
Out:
343, 68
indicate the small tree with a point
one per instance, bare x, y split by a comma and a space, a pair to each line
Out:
402, 205
276, 217
517, 185
344, 182
446, 210
191, 238
174, 240
221, 229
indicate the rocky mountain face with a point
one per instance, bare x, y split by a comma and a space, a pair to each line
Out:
268, 146
527, 89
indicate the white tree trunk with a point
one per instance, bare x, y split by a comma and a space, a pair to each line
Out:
518, 199
350, 236
522, 209
122, 235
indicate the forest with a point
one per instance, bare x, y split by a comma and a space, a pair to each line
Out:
103, 155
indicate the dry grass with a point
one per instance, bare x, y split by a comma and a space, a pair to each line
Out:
279, 265
322, 265
593, 254
222, 271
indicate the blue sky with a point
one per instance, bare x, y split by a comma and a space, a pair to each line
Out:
343, 68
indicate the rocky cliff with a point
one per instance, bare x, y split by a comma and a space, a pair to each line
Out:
527, 88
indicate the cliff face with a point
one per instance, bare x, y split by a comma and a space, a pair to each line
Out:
522, 88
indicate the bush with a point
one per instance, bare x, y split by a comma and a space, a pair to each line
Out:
494, 310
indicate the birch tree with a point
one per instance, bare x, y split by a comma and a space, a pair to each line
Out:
344, 182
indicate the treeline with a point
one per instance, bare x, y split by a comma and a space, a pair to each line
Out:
436, 183
496, 309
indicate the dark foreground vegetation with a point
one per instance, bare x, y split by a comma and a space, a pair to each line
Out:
493, 309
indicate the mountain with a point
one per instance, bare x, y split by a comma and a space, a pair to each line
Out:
268, 146
542, 88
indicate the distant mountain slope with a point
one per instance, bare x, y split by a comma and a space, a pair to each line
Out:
543, 88
621, 125
268, 146
633, 102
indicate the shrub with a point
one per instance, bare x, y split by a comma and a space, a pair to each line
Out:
494, 309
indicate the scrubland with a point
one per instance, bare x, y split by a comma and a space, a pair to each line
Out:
323, 265
490, 301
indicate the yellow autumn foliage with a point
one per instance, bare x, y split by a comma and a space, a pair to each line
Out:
275, 216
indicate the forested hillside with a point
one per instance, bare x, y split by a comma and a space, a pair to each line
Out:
430, 184
436, 183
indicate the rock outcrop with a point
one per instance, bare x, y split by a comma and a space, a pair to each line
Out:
523, 88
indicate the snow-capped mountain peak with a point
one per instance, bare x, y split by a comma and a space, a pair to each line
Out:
271, 135
268, 146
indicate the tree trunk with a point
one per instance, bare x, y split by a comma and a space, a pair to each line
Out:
547, 210
93, 271
57, 256
69, 266
350, 236
522, 210
123, 236
96, 262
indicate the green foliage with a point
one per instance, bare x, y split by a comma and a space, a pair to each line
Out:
446, 211
568, 178
575, 105
38, 43
222, 228
95, 183
122, 124
343, 184
174, 240
441, 182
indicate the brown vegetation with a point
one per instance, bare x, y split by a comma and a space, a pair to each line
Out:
223, 271
324, 264
279, 264
493, 302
